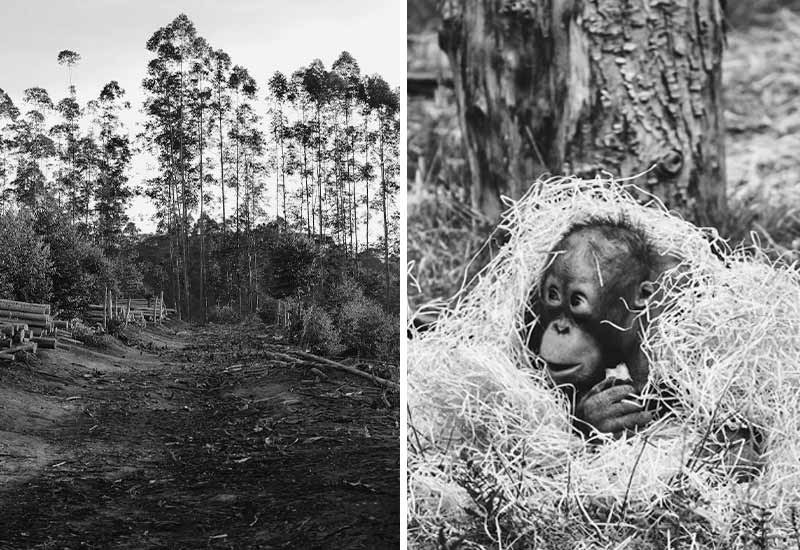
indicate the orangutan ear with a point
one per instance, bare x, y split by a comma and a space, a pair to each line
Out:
643, 294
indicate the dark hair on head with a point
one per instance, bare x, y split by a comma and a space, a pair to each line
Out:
634, 266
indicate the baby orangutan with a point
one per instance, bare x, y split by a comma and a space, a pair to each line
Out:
588, 303
601, 277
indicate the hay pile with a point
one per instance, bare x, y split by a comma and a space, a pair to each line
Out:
492, 458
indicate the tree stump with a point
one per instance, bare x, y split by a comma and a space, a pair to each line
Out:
584, 88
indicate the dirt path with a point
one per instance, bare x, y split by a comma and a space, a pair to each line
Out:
210, 444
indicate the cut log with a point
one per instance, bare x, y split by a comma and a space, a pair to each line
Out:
28, 346
39, 324
47, 343
347, 368
6, 356
25, 307
11, 314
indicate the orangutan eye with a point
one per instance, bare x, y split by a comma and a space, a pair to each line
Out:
577, 299
552, 294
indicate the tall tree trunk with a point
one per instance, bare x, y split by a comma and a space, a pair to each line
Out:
221, 154
309, 220
385, 208
353, 194
366, 177
277, 183
319, 172
237, 187
283, 179
585, 87
184, 213
172, 223
238, 235
251, 245
203, 304
337, 187
347, 192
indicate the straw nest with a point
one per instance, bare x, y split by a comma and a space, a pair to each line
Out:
493, 460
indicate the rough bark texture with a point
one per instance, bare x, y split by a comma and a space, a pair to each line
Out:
584, 87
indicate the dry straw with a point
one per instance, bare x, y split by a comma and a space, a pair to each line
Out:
489, 438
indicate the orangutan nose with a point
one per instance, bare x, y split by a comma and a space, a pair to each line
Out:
561, 326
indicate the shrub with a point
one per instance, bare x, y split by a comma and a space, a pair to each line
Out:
90, 337
80, 269
25, 266
319, 333
268, 311
224, 314
289, 267
367, 329
348, 290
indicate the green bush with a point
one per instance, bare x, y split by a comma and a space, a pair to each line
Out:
289, 266
25, 266
319, 333
90, 337
224, 314
367, 329
81, 272
268, 310
346, 291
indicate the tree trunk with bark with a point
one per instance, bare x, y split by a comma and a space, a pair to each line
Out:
584, 88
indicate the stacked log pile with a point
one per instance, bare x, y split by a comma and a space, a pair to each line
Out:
129, 310
26, 327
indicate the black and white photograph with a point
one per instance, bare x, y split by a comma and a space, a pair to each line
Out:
200, 273
603, 286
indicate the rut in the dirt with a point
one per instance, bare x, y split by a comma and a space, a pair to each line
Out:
212, 444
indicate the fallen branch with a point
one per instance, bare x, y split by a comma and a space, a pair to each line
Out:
346, 368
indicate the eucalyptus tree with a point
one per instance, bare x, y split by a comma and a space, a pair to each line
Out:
303, 134
278, 93
346, 67
201, 70
70, 59
247, 141
67, 132
315, 85
87, 159
169, 134
9, 114
386, 103
112, 193
335, 88
34, 147
220, 107
243, 88
366, 173
293, 213
252, 148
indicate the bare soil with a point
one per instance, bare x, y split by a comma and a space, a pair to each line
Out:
196, 438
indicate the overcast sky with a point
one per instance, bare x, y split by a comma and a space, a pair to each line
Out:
262, 35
